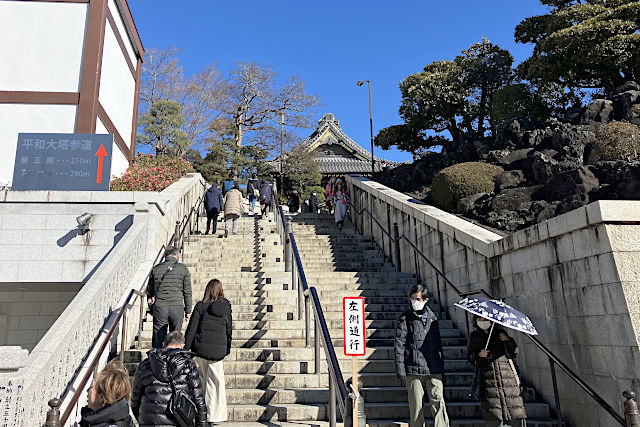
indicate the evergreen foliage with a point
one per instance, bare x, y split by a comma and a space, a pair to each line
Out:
459, 181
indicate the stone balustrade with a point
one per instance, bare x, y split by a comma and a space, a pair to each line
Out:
577, 276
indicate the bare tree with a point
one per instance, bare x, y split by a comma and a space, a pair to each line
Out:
254, 102
199, 96
161, 76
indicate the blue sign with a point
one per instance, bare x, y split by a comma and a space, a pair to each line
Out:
63, 161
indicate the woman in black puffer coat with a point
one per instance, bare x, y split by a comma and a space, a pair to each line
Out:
499, 383
152, 389
209, 337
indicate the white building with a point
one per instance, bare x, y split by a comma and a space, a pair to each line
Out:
68, 67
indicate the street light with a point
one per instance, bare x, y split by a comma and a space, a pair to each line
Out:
373, 163
281, 147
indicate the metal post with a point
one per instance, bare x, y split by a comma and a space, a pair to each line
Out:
307, 322
396, 241
176, 239
373, 161
552, 366
140, 321
123, 343
348, 418
53, 414
316, 346
631, 415
288, 257
332, 401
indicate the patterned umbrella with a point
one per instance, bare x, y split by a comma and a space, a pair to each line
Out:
498, 312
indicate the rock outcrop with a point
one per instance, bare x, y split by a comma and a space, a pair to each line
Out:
549, 168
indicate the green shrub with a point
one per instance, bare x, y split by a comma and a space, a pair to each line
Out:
459, 181
151, 173
614, 141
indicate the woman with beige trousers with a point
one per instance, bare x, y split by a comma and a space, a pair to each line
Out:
233, 208
209, 337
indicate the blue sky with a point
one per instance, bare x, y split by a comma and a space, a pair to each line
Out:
333, 44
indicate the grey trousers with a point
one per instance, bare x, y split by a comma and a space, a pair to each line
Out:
416, 387
166, 317
231, 219
518, 422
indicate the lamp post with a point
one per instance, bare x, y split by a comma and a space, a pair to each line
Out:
281, 148
373, 162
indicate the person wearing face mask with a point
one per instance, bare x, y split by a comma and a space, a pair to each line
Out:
418, 355
500, 394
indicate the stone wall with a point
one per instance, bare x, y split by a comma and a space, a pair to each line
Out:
28, 310
39, 236
60, 358
577, 276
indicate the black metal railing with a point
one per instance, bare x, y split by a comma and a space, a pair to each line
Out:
308, 299
554, 360
54, 419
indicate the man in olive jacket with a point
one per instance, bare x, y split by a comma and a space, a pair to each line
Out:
418, 354
169, 294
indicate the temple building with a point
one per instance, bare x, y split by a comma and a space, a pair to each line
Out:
336, 153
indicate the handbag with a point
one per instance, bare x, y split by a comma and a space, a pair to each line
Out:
181, 406
256, 193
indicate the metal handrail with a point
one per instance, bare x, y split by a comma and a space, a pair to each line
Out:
131, 299
311, 299
553, 358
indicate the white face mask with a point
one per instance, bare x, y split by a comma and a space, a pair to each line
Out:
417, 305
484, 324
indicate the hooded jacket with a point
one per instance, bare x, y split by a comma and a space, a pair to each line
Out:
152, 390
500, 389
213, 199
265, 193
209, 331
417, 345
233, 202
115, 414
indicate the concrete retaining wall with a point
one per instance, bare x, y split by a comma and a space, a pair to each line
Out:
60, 358
577, 276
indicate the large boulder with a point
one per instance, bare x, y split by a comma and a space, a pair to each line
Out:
508, 179
570, 183
512, 199
568, 140
513, 159
459, 181
614, 141
620, 180
599, 111
625, 106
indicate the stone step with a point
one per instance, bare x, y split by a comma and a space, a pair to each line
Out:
321, 395
307, 366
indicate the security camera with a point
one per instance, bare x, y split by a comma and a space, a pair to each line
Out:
83, 221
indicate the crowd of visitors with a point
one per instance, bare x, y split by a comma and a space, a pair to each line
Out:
182, 382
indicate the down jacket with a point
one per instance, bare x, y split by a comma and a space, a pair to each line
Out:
233, 203
152, 390
209, 331
417, 345
113, 415
500, 389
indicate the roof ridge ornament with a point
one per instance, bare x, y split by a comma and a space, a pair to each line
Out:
328, 118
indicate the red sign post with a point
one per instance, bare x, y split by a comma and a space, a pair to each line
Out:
354, 341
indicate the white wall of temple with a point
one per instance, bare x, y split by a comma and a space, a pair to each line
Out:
117, 85
16, 118
122, 30
41, 46
119, 162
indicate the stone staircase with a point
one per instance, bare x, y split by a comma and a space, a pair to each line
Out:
343, 263
270, 374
